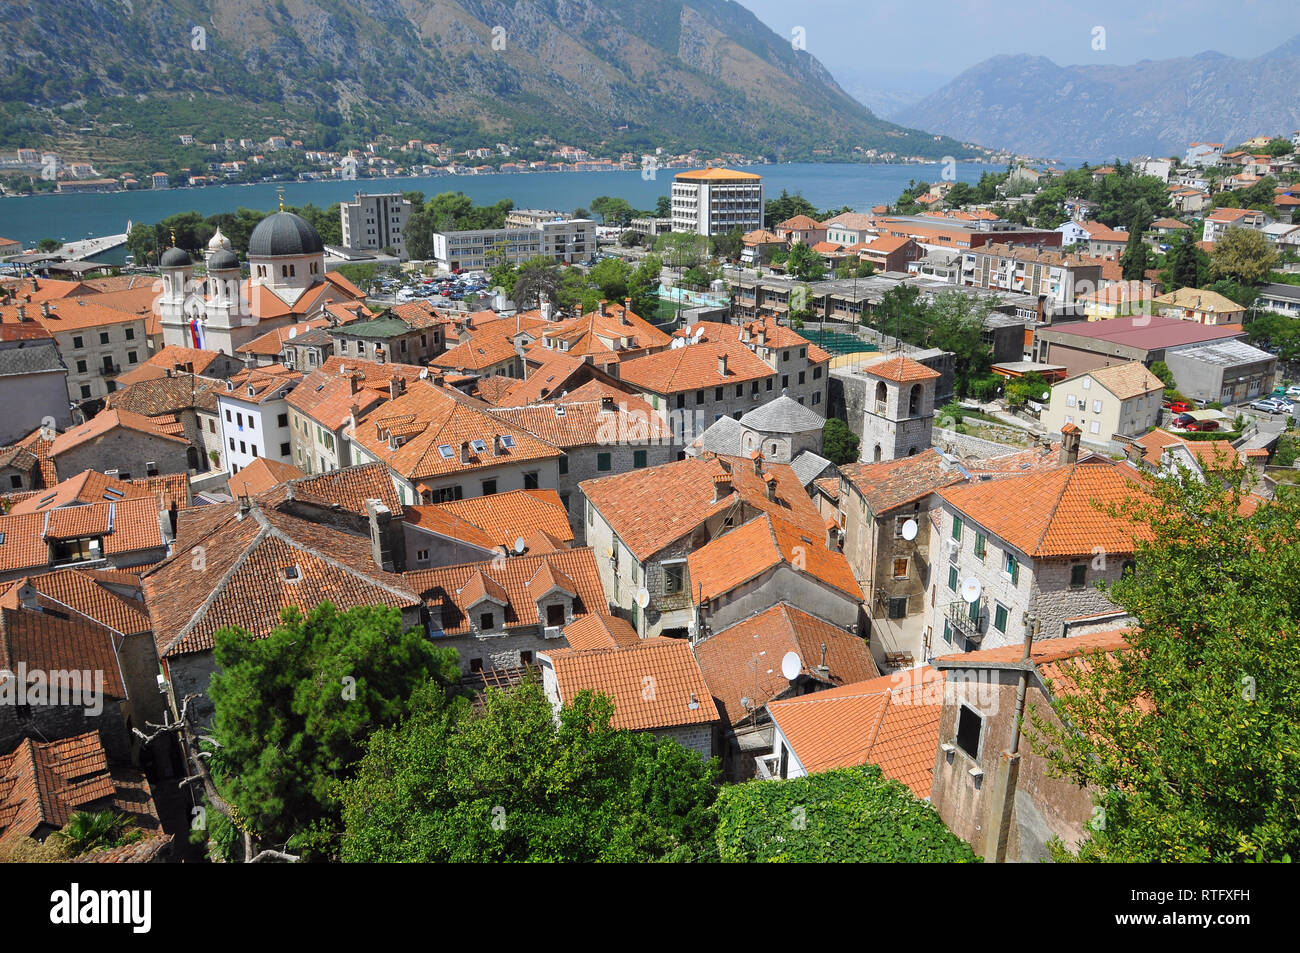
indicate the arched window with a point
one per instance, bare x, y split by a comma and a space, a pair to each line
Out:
914, 401
880, 392
878, 453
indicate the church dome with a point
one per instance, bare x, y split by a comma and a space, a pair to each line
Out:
282, 234
223, 260
174, 258
218, 241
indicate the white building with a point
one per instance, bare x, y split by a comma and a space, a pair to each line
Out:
566, 241
375, 222
1124, 400
254, 416
715, 201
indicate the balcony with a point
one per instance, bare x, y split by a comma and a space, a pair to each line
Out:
767, 767
110, 370
959, 617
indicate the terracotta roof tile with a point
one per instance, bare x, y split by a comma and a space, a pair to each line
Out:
599, 631
680, 696
81, 593
106, 421
505, 517
902, 370
569, 423
43, 642
43, 783
891, 721
742, 663
261, 475
893, 483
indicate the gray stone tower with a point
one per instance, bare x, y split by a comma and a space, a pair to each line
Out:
899, 415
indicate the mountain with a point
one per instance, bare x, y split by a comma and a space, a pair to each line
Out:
627, 74
1031, 105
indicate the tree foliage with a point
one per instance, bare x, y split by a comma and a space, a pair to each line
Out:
849, 815
507, 784
292, 711
1243, 254
839, 443
804, 264
1190, 741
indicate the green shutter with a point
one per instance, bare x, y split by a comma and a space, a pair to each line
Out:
956, 527
1000, 619
979, 545
1013, 567
952, 578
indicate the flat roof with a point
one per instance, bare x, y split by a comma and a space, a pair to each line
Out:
1225, 353
1145, 331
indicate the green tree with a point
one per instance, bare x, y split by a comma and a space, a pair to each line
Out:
1190, 740
1026, 388
804, 264
728, 245
1190, 268
506, 783
49, 244
611, 276
1137, 256
839, 443
1243, 254
955, 322
612, 211
94, 830
293, 709
849, 815
643, 287
785, 206
536, 277
664, 207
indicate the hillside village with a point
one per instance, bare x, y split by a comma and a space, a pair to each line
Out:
856, 502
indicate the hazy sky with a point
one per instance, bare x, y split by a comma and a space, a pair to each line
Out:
921, 45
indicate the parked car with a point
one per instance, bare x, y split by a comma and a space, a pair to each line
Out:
1182, 420
1202, 426
1293, 390
1272, 405
1180, 407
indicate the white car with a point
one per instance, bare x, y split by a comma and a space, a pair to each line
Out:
1293, 390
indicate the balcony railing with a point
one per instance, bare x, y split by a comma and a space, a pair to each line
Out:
959, 617
767, 767
110, 370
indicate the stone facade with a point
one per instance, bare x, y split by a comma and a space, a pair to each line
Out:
782, 584
697, 738
585, 463
897, 420
129, 452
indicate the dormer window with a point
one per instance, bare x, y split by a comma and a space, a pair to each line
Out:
292, 574
486, 621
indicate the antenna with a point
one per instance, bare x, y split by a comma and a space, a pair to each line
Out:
791, 666
971, 589
909, 530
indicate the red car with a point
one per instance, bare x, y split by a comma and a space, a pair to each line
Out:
1180, 407
1202, 426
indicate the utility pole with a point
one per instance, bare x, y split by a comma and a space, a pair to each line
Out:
1002, 799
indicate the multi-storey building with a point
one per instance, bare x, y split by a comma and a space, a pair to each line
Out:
375, 222
566, 241
1030, 271
715, 201
254, 416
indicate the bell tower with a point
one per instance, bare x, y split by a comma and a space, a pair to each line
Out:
899, 416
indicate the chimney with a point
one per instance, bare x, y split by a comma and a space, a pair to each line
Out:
627, 308
1070, 444
396, 387
464, 451
722, 365
22, 313
1133, 451
244, 504
721, 486
27, 596
354, 384
45, 309
770, 480
171, 517
823, 670
604, 307
381, 521
761, 340
744, 334
757, 457
833, 538
548, 311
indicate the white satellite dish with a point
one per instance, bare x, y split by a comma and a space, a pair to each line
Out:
1047, 395
791, 666
909, 530
971, 589
699, 330
293, 332
519, 544
643, 597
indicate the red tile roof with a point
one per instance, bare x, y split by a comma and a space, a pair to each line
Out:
261, 475
895, 482
569, 423
891, 721
598, 631
679, 696
106, 421
505, 517
42, 643
742, 663
81, 593
900, 369
448, 590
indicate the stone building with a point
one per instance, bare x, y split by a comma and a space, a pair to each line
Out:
899, 417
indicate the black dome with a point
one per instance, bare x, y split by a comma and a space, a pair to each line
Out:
174, 258
284, 234
222, 260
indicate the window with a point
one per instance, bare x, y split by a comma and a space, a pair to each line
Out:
717, 393
817, 373
103, 337
1000, 617
638, 459
817, 399
78, 343
1096, 406
603, 462
981, 544
448, 494
674, 578
476, 665
243, 448
151, 468
254, 449
81, 369
525, 658
1070, 401
532, 480
282, 420
130, 334
952, 578
769, 383
232, 444
1094, 427
802, 376
489, 487
897, 607
228, 415
252, 422
1079, 576
284, 451
785, 381
900, 568
681, 401
699, 397
1087, 383
968, 732
1012, 568
16, 481
947, 631
564, 464
131, 357
956, 528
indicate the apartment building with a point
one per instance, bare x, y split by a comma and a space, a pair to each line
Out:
1220, 220
1030, 271
375, 222
566, 241
254, 416
1123, 400
715, 201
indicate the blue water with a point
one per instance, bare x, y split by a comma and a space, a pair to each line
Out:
69, 217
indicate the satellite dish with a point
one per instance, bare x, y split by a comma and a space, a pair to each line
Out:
519, 544
791, 666
293, 332
1047, 395
909, 530
699, 330
971, 589
643, 597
